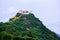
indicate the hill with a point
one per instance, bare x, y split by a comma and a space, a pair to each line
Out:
25, 27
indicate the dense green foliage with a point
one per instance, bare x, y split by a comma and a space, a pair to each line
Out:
26, 27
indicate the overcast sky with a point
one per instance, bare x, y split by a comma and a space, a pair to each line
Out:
48, 11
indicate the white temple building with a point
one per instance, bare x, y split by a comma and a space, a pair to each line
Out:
24, 11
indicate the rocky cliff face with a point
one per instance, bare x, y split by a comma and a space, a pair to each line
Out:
25, 27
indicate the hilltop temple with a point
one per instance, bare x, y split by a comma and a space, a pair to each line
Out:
24, 11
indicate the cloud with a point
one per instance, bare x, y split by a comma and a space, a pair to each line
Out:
9, 10
8, 13
12, 9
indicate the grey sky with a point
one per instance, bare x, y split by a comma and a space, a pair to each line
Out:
47, 11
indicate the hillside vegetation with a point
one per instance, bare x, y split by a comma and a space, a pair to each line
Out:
25, 27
